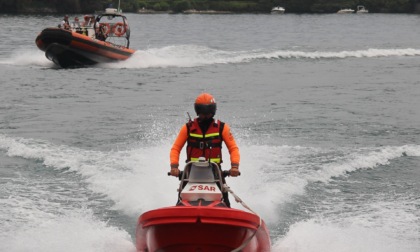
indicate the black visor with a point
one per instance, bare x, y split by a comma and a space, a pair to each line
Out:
205, 109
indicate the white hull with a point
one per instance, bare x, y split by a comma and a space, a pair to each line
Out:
345, 11
277, 10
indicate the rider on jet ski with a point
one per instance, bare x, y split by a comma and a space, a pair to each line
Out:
204, 136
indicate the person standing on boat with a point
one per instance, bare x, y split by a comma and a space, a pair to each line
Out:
204, 136
65, 23
86, 21
76, 23
101, 35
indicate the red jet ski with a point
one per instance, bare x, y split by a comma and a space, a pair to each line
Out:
201, 221
100, 40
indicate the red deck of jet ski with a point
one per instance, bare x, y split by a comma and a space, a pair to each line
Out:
81, 46
201, 221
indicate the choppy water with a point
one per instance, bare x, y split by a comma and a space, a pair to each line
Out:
325, 109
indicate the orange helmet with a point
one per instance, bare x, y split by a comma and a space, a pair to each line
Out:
205, 104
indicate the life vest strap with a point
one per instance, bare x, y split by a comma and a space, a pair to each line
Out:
202, 144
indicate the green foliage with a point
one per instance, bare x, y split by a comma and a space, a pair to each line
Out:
142, 4
181, 5
200, 4
130, 5
21, 4
298, 6
161, 6
386, 5
234, 6
328, 6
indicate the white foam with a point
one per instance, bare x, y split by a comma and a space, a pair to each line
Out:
365, 158
179, 56
28, 57
267, 179
135, 179
77, 230
272, 175
194, 56
326, 236
369, 53
127, 177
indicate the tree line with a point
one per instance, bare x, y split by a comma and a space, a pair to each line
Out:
177, 6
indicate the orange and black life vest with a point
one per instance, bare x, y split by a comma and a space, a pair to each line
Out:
205, 144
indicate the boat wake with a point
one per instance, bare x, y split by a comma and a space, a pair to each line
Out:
277, 173
197, 56
27, 58
306, 236
296, 166
185, 56
75, 230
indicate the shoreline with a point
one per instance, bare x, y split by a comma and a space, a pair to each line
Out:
51, 11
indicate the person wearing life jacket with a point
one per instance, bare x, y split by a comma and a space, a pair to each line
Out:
76, 24
65, 23
204, 136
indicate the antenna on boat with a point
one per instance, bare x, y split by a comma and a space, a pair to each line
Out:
119, 3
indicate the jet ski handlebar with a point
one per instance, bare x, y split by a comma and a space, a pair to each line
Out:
204, 163
225, 174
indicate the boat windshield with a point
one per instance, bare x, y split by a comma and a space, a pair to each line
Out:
113, 28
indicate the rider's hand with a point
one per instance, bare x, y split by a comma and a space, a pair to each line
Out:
234, 172
175, 172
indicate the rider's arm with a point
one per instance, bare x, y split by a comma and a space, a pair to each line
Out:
177, 146
231, 145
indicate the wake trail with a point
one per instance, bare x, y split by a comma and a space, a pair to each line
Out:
196, 56
276, 173
185, 56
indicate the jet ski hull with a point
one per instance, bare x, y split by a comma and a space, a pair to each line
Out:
201, 228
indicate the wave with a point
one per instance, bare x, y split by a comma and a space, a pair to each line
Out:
196, 56
76, 230
365, 158
135, 181
276, 173
326, 236
185, 56
27, 58
120, 175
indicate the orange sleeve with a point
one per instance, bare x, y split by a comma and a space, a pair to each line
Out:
178, 145
231, 145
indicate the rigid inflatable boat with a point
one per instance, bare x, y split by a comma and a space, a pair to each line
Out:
100, 40
201, 221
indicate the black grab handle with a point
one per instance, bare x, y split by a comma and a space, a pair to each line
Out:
226, 173
179, 175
